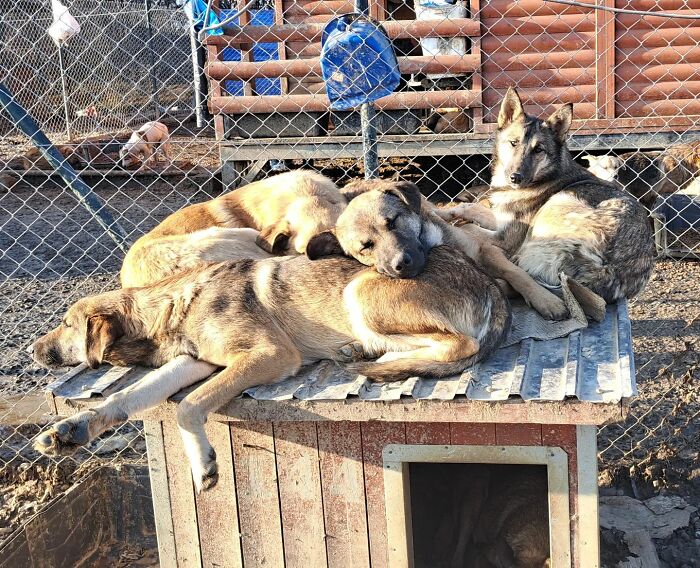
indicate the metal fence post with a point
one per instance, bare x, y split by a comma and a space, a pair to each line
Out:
64, 88
367, 121
152, 59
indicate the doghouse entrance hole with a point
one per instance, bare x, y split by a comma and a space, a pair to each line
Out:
479, 515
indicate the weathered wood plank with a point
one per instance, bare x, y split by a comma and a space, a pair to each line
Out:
160, 492
217, 513
519, 434
345, 512
472, 434
182, 502
299, 479
428, 433
375, 437
258, 500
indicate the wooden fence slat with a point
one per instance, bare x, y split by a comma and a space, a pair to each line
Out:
217, 513
340, 449
160, 493
258, 499
428, 433
519, 434
182, 503
375, 436
466, 434
299, 478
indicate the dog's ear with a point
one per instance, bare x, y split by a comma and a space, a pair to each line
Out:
406, 191
357, 187
560, 121
511, 108
274, 239
323, 244
102, 331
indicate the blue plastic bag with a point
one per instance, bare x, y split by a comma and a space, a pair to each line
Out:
196, 10
357, 61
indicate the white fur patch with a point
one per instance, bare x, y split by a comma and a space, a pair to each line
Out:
432, 235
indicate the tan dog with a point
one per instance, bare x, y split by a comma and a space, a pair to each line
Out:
261, 321
146, 145
287, 209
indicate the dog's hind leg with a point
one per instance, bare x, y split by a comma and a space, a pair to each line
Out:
156, 387
473, 212
268, 362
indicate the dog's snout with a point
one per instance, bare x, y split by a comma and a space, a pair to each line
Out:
516, 177
401, 262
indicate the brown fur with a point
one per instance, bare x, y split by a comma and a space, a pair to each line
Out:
287, 209
261, 320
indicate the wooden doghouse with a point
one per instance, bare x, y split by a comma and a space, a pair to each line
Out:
315, 471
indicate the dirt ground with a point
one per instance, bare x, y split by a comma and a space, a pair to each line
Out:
53, 253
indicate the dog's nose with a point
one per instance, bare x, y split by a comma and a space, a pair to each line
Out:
516, 177
402, 262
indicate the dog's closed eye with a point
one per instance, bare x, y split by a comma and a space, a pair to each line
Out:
367, 246
391, 223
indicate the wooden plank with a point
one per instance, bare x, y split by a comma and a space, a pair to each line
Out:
507, 26
539, 43
605, 60
588, 545
463, 434
658, 73
246, 51
31, 407
659, 108
160, 492
299, 103
375, 437
519, 434
234, 70
301, 501
258, 500
182, 503
676, 37
345, 512
428, 433
475, 10
503, 61
217, 512
281, 45
564, 436
215, 88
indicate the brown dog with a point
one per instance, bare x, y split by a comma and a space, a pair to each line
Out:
260, 321
287, 209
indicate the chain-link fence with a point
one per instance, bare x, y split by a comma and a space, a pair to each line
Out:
632, 77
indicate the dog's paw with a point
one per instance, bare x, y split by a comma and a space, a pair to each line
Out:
550, 306
206, 474
352, 352
66, 436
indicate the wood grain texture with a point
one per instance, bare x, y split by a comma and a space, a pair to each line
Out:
428, 433
301, 501
182, 503
375, 437
258, 499
217, 513
519, 434
340, 449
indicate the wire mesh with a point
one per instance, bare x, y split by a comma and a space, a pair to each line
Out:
633, 80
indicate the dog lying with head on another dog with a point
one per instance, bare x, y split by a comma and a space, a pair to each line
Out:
550, 215
261, 320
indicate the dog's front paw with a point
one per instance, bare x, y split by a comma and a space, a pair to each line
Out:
66, 436
206, 474
351, 352
550, 306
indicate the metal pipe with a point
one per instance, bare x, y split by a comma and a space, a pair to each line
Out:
197, 75
64, 88
367, 120
82, 191
152, 59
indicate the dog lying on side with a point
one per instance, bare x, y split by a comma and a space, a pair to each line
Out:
261, 320
146, 145
287, 209
551, 215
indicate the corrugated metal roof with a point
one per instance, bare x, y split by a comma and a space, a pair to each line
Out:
594, 364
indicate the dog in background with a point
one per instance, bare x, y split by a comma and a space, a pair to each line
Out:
551, 215
648, 175
287, 209
262, 320
146, 145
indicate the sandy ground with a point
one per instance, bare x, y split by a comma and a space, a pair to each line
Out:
53, 253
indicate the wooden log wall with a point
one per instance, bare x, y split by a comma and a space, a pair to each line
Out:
300, 494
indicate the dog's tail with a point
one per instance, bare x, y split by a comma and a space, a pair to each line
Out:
400, 369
